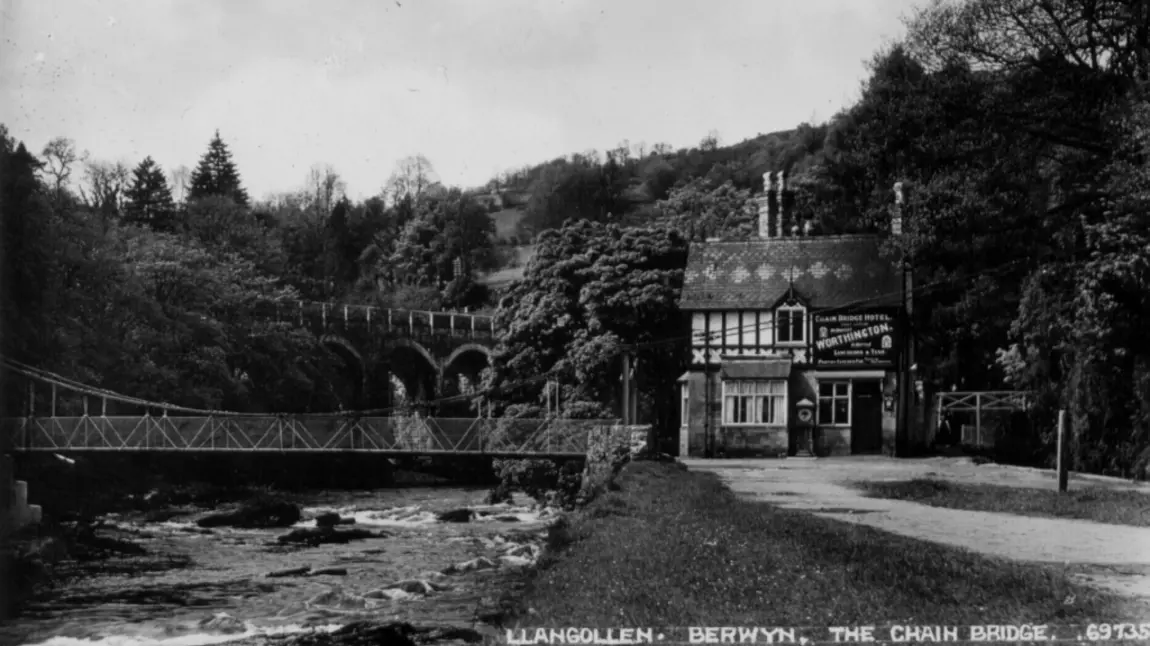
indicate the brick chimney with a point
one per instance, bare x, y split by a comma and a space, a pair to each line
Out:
767, 207
896, 212
781, 216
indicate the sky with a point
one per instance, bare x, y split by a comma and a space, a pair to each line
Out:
476, 86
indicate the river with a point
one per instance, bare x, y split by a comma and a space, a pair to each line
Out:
195, 586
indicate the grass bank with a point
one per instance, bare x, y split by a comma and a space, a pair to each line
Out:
669, 547
1099, 505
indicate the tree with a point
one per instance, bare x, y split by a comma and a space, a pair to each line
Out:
325, 188
711, 142
589, 290
148, 199
1103, 36
180, 179
216, 175
26, 242
702, 210
103, 188
1011, 126
1079, 338
443, 246
59, 159
412, 176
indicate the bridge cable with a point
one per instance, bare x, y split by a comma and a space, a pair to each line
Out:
51, 378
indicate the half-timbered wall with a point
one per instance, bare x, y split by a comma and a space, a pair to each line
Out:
740, 333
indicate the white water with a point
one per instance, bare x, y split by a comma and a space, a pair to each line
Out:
423, 571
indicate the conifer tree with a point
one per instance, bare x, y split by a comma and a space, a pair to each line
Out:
149, 199
216, 174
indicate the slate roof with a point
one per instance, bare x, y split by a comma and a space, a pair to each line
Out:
829, 271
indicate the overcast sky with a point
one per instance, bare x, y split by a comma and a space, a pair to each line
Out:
477, 86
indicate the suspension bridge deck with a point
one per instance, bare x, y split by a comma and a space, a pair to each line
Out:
493, 437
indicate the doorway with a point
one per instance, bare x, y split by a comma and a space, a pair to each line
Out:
866, 417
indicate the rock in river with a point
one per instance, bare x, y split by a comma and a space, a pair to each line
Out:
410, 586
224, 623
327, 519
262, 512
295, 571
481, 563
324, 535
456, 516
394, 634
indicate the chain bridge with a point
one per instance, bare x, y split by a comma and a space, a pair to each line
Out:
389, 436
425, 351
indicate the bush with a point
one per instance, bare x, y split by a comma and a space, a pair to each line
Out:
578, 409
543, 480
533, 477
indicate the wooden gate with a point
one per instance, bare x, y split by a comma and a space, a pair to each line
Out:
985, 407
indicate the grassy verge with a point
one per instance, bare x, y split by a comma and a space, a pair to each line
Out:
670, 547
1099, 505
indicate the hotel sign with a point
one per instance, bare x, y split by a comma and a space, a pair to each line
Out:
863, 339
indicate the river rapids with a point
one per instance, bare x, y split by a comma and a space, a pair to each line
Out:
193, 586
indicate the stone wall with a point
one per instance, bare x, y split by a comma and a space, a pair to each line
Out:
608, 449
832, 440
753, 441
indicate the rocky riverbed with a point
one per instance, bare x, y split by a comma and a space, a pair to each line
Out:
430, 557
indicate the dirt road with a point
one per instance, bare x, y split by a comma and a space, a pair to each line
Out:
1111, 556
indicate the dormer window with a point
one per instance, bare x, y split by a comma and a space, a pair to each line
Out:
791, 324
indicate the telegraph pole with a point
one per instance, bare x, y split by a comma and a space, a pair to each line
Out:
626, 388
906, 355
634, 390
707, 386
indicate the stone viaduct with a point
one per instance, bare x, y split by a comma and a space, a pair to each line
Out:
426, 351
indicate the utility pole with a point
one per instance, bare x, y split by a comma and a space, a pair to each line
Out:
707, 386
906, 355
626, 388
1063, 453
634, 390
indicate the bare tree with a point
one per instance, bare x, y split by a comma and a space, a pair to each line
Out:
104, 185
325, 188
412, 176
180, 177
620, 153
662, 148
60, 157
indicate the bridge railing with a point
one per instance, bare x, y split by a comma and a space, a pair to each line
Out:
409, 320
390, 435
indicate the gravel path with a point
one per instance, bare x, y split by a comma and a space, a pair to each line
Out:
1111, 556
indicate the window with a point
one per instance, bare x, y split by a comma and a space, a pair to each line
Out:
685, 405
791, 324
835, 402
755, 402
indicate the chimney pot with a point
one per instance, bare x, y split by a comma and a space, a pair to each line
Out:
780, 185
896, 211
764, 203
